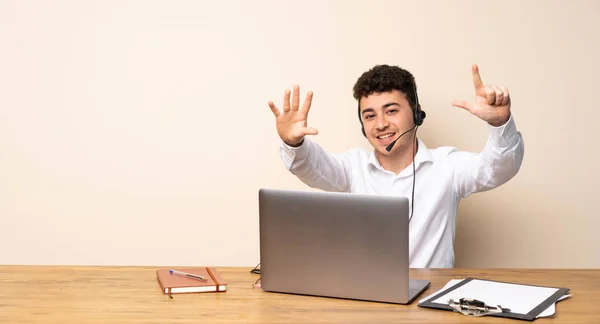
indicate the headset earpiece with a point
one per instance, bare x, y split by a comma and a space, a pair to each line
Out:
419, 116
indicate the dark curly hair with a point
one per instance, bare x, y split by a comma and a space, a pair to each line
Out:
385, 78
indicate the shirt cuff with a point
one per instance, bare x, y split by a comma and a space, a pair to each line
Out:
505, 135
291, 154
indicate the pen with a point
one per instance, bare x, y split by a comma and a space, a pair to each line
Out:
189, 275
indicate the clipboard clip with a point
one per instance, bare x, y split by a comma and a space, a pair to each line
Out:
474, 307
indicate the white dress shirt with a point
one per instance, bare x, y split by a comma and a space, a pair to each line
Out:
443, 176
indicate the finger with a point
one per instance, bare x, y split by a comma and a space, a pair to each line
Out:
490, 95
286, 100
296, 98
307, 102
499, 95
310, 131
477, 79
274, 109
462, 104
505, 96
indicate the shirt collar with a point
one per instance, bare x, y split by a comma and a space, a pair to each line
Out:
423, 155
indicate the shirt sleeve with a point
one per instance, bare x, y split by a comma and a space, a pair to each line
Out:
499, 161
316, 167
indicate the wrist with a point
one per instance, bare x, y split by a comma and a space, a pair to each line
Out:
500, 121
296, 144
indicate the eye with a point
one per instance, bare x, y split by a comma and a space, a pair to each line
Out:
392, 111
369, 116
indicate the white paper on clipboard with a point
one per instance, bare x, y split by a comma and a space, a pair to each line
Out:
521, 304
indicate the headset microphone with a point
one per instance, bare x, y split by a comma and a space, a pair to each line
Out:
389, 147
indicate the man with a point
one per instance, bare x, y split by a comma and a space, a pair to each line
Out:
434, 179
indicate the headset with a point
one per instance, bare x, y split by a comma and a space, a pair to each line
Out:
418, 118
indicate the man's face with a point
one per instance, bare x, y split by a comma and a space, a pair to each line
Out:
385, 116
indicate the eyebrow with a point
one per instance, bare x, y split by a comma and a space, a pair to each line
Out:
387, 105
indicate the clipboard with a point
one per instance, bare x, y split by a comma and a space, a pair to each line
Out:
522, 301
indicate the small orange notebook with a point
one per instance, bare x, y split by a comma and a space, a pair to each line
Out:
171, 283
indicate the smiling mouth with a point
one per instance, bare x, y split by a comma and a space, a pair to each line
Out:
385, 136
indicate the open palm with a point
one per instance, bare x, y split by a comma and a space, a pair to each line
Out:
292, 122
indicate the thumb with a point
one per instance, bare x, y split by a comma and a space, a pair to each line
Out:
462, 104
310, 131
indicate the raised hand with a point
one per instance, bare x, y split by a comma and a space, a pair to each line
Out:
291, 123
492, 102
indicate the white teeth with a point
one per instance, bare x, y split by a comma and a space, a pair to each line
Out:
385, 136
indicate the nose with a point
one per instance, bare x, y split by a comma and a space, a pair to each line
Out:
381, 123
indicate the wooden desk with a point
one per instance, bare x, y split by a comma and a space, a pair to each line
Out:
53, 294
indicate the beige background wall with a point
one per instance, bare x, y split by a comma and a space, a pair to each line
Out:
138, 132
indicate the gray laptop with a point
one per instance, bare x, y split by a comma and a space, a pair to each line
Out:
339, 245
